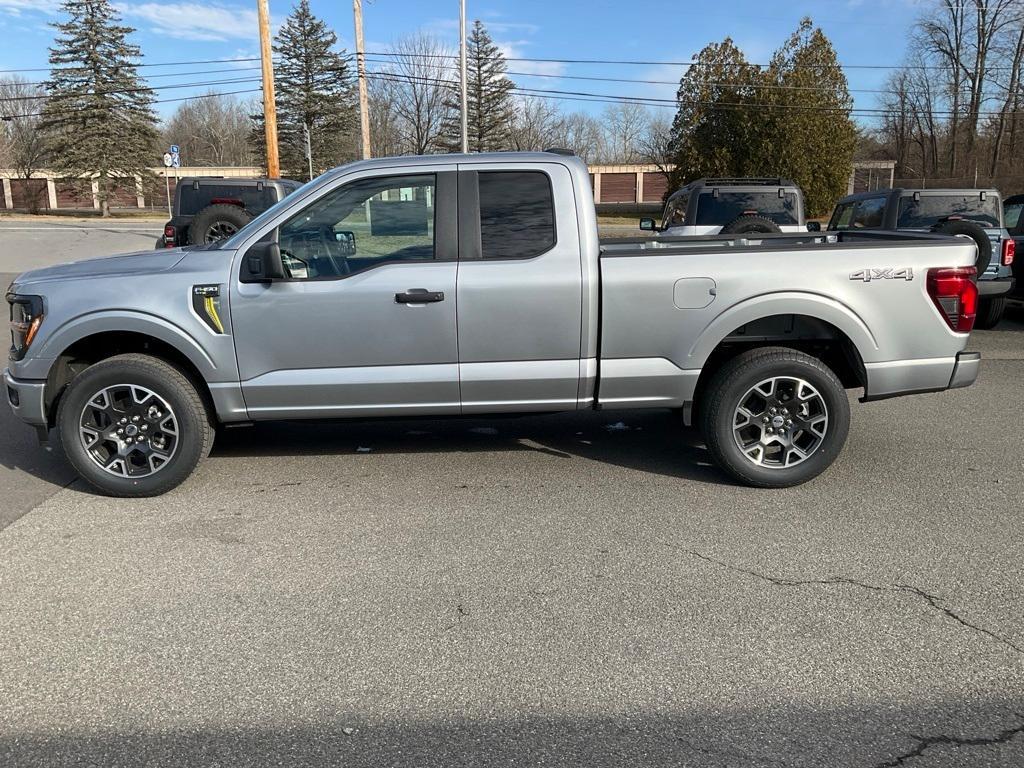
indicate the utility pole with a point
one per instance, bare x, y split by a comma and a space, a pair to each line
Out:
462, 79
364, 106
269, 104
309, 151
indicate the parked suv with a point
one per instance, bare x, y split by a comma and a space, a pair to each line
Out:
732, 207
1013, 216
973, 213
208, 209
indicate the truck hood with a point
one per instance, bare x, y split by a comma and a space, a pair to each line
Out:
140, 263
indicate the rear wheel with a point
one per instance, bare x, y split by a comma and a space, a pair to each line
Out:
775, 417
133, 425
990, 312
970, 231
750, 224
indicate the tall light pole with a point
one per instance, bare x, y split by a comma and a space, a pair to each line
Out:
462, 80
269, 105
364, 105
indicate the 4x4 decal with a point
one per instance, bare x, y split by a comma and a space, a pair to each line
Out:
886, 273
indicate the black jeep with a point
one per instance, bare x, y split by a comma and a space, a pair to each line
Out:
208, 209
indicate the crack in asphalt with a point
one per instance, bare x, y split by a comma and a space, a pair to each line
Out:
924, 743
732, 753
934, 601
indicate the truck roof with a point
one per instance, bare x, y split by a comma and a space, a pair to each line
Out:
911, 190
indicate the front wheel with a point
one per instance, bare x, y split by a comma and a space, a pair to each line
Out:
133, 425
775, 417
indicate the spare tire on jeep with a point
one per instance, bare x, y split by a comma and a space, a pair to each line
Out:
216, 222
963, 228
750, 223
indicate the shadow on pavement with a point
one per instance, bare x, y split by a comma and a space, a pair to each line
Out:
964, 733
649, 441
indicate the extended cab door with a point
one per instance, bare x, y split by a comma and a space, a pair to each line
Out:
364, 322
519, 288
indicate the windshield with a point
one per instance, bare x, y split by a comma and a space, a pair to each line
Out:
931, 209
720, 210
236, 239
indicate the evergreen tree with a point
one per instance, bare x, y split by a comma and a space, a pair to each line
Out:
314, 93
98, 119
790, 120
490, 109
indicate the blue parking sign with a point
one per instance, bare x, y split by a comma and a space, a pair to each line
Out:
174, 149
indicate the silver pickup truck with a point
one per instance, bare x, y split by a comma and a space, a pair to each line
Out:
476, 284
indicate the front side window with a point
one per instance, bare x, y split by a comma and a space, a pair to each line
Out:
843, 217
675, 212
720, 209
869, 214
517, 214
361, 225
929, 210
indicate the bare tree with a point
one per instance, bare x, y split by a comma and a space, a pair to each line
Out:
583, 134
420, 73
624, 125
211, 131
384, 136
21, 140
655, 143
538, 125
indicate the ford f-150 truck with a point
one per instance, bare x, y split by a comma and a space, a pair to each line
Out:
476, 284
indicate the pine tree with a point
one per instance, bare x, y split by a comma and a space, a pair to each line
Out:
314, 93
490, 109
99, 118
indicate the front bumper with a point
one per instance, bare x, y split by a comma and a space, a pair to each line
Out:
1000, 286
26, 398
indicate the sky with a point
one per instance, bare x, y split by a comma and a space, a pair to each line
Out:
865, 33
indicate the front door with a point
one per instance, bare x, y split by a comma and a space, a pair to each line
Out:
364, 322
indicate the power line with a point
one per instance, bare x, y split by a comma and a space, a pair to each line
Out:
156, 101
57, 97
153, 64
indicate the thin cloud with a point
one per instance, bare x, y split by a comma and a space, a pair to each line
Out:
195, 21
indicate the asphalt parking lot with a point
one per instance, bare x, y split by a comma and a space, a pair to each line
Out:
555, 590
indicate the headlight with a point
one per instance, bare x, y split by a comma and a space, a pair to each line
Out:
26, 317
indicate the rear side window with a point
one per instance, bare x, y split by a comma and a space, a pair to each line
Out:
720, 210
517, 214
931, 209
252, 199
1011, 213
870, 214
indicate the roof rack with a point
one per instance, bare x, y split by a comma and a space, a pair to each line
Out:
774, 181
560, 151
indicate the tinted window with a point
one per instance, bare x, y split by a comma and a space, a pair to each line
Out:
361, 225
252, 199
842, 217
869, 214
931, 209
517, 214
1011, 214
720, 210
675, 212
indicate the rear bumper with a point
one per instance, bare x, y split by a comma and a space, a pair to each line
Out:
965, 372
26, 398
998, 287
912, 377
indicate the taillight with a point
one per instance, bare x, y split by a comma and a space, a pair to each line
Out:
170, 236
1009, 251
955, 295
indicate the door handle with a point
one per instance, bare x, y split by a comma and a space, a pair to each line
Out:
419, 296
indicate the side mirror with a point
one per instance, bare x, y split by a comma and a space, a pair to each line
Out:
814, 226
647, 224
262, 263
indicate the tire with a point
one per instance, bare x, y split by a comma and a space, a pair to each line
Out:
959, 228
750, 224
172, 418
216, 222
744, 379
990, 312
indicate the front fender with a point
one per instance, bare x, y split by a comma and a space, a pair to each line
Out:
75, 329
813, 305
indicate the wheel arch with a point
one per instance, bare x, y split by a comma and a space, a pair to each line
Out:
101, 341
